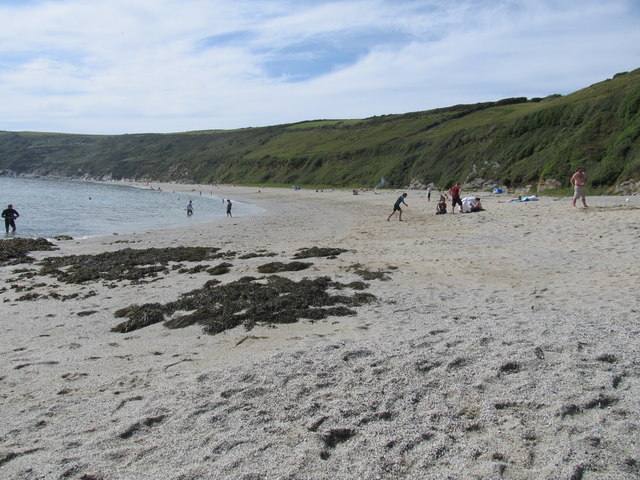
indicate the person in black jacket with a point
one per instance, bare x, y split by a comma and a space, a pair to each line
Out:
10, 215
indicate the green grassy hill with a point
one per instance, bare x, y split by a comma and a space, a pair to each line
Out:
511, 142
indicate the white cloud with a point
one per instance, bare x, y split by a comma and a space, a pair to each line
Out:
127, 66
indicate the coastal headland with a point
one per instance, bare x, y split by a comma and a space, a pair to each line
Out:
317, 340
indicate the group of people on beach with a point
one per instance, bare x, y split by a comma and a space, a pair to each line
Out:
466, 205
474, 204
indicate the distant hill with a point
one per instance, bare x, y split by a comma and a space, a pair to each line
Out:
513, 142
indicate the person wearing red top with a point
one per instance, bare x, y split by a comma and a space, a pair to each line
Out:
455, 197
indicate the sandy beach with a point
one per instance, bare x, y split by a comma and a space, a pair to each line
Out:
500, 344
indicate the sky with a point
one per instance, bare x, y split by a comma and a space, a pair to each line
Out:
140, 66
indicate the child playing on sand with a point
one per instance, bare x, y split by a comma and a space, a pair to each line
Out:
396, 207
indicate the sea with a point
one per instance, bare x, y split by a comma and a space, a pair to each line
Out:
79, 209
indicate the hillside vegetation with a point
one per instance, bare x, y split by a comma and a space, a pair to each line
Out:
511, 142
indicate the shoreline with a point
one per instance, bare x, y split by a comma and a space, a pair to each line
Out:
94, 215
503, 343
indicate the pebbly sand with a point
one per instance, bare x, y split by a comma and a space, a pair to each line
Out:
504, 344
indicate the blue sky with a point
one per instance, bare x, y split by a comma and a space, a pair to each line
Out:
132, 66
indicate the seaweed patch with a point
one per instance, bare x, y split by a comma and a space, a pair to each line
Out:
216, 307
258, 254
194, 269
319, 252
14, 251
125, 264
247, 302
276, 267
368, 274
220, 269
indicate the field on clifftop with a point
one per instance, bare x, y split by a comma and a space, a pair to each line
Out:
513, 142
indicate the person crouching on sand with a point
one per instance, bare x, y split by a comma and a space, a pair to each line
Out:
396, 207
476, 205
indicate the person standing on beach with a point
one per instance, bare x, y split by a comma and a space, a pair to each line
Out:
10, 215
578, 182
455, 197
229, 207
396, 207
428, 194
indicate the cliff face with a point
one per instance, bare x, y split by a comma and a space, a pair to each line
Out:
513, 142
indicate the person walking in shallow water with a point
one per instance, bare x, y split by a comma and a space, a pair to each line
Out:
10, 215
229, 204
578, 182
190, 208
396, 207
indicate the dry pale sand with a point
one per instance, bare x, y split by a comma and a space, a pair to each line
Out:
503, 345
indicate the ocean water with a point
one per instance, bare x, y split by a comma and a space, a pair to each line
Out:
85, 209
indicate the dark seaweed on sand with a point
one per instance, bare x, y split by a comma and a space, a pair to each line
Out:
125, 264
248, 302
14, 251
276, 267
257, 254
220, 269
192, 270
319, 252
367, 274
